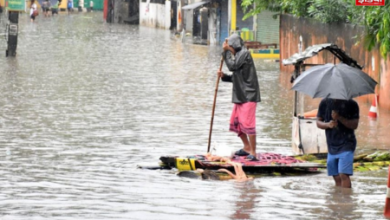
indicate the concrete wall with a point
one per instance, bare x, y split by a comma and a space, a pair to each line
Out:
347, 37
188, 20
155, 15
213, 26
167, 14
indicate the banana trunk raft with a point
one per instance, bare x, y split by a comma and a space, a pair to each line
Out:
268, 164
362, 162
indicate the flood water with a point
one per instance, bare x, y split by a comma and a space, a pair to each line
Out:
84, 102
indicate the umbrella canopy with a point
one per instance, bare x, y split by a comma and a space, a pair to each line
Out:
334, 81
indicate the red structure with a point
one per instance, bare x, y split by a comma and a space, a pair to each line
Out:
105, 9
387, 204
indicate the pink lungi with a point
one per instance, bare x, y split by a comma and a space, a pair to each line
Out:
243, 119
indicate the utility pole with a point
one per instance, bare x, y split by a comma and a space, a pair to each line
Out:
13, 8
12, 42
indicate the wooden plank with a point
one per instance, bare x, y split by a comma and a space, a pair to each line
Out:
259, 45
313, 138
295, 137
309, 135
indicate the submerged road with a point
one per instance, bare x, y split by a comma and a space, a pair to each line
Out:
84, 102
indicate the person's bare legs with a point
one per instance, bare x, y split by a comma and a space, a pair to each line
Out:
337, 180
345, 180
252, 143
245, 141
249, 142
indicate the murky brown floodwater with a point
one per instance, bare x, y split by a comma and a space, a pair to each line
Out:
85, 102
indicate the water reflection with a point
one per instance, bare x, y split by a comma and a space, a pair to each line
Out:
341, 203
246, 201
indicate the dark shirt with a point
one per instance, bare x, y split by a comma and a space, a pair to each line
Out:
244, 78
340, 138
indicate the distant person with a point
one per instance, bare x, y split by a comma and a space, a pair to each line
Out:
340, 119
48, 8
70, 6
33, 10
44, 6
245, 95
91, 5
81, 4
54, 8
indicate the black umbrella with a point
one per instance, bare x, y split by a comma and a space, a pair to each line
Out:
334, 81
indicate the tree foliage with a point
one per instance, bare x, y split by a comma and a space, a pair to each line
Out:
375, 19
376, 23
260, 5
328, 11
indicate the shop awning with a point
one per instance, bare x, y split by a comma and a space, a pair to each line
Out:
195, 5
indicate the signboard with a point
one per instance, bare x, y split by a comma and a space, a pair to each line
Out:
15, 5
370, 2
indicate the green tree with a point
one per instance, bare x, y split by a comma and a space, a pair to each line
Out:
375, 19
328, 11
377, 29
260, 5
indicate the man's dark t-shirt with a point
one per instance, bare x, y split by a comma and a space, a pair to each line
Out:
340, 138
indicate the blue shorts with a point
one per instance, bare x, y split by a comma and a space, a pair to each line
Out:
340, 163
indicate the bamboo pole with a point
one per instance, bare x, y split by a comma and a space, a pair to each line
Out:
215, 100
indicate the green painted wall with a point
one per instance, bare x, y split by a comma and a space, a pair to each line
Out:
267, 28
16, 5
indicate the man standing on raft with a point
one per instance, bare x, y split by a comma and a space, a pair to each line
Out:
246, 93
